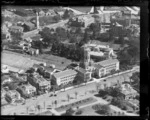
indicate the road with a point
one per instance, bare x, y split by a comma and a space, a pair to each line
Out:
62, 96
34, 32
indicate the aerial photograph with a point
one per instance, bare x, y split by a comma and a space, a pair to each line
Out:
70, 61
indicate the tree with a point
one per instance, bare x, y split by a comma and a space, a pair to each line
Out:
102, 93
27, 109
68, 97
120, 102
55, 102
56, 18
115, 91
70, 111
76, 93
104, 109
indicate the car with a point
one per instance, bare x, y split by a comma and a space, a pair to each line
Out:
55, 95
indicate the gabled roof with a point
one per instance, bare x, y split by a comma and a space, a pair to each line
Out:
36, 66
29, 24
65, 73
82, 9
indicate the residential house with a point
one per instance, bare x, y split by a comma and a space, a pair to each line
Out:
128, 92
64, 77
24, 13
12, 96
5, 79
16, 29
104, 67
50, 13
26, 90
41, 84
4, 69
41, 13
28, 26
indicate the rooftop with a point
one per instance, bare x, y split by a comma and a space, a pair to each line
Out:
107, 62
29, 24
28, 86
16, 27
81, 70
12, 92
98, 66
127, 89
65, 73
49, 69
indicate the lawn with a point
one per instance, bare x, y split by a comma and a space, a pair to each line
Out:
76, 104
88, 111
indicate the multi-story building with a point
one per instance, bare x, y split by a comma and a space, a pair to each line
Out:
84, 74
104, 67
12, 95
41, 84
64, 77
26, 90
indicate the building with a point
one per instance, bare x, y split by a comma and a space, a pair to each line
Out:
49, 71
104, 67
64, 77
84, 74
99, 52
41, 13
41, 84
5, 79
128, 92
26, 90
16, 29
28, 26
3, 100
12, 96
50, 13
4, 69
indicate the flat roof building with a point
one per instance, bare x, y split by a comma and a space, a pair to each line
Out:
64, 77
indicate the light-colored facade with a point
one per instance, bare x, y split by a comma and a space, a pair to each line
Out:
12, 95
104, 67
64, 77
128, 91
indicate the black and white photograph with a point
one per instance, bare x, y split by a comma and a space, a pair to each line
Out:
70, 60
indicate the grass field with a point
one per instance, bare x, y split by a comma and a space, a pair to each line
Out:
78, 103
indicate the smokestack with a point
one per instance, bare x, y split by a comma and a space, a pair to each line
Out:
37, 19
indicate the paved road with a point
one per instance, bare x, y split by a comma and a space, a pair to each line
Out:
62, 96
34, 32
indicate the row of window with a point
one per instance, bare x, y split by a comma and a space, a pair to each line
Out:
68, 76
111, 65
